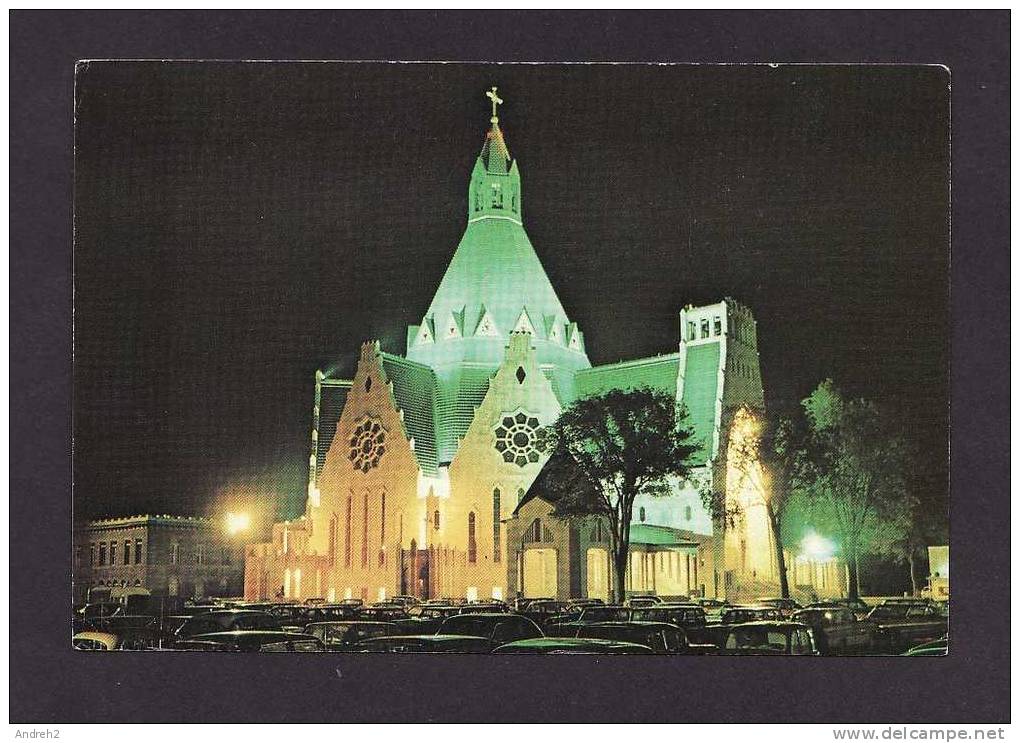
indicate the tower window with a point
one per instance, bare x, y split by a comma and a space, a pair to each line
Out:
704, 328
718, 326
435, 520
472, 546
687, 513
641, 514
364, 533
138, 551
127, 552
692, 331
368, 384
521, 375
347, 532
497, 196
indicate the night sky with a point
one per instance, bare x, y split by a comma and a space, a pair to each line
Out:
240, 225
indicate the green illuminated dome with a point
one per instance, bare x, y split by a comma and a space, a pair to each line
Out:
494, 285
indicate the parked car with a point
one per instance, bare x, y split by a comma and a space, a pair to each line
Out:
904, 624
424, 644
225, 620
857, 606
541, 611
663, 639
786, 606
484, 608
768, 638
130, 638
742, 614
253, 641
382, 612
498, 628
638, 602
689, 617
406, 601
327, 613
714, 608
426, 620
342, 636
571, 646
838, 631
935, 647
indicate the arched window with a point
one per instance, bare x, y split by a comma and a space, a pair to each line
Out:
497, 546
435, 520
472, 546
641, 514
535, 532
347, 532
364, 533
687, 513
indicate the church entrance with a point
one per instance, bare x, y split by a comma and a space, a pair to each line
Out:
415, 572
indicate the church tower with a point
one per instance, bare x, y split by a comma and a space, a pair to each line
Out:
495, 285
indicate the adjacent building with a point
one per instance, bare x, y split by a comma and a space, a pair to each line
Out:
182, 556
422, 466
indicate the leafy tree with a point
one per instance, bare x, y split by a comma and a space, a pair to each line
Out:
850, 470
612, 447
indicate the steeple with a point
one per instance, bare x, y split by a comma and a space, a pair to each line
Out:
495, 182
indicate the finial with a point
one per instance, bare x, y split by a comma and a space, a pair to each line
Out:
496, 100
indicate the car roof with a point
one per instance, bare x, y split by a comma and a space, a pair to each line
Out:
566, 642
264, 634
90, 635
770, 623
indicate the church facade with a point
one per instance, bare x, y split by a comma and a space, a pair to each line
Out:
422, 465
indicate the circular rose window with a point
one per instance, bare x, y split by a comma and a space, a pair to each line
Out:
520, 438
368, 444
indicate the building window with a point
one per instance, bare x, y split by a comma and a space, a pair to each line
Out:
92, 553
497, 196
704, 328
127, 552
520, 438
364, 533
199, 554
347, 532
692, 331
435, 520
641, 514
497, 546
535, 532
472, 546
113, 553
175, 553
718, 326
687, 513
138, 552
382, 520
102, 553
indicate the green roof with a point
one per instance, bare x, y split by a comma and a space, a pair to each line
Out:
662, 535
700, 392
657, 372
414, 389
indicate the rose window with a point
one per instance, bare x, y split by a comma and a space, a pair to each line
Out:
368, 444
520, 439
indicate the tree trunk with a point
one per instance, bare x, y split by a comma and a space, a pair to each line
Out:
914, 581
620, 569
784, 583
853, 570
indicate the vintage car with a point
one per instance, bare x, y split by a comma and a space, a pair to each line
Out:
542, 611
786, 606
714, 608
639, 602
689, 617
342, 636
857, 606
425, 619
566, 625
131, 638
935, 647
382, 612
904, 624
424, 644
225, 620
742, 614
838, 631
571, 646
253, 641
663, 639
768, 638
498, 628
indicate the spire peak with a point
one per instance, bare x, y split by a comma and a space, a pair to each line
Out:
496, 100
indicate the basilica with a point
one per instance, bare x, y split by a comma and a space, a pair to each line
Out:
424, 474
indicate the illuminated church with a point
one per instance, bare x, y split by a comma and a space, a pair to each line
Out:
423, 467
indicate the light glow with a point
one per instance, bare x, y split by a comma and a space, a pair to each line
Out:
816, 547
237, 522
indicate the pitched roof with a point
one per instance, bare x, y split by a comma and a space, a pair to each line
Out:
414, 390
657, 372
559, 465
664, 535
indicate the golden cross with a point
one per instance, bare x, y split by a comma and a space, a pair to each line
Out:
496, 100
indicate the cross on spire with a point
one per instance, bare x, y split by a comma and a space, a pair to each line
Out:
496, 100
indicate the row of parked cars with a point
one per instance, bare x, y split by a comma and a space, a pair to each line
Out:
643, 625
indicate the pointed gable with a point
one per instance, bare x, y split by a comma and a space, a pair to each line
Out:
426, 332
524, 324
553, 329
453, 326
486, 325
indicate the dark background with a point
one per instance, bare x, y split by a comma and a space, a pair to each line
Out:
52, 683
240, 225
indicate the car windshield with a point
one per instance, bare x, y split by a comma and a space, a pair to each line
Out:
683, 617
651, 638
890, 611
469, 624
605, 614
756, 638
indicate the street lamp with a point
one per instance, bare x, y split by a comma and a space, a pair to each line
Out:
816, 547
237, 522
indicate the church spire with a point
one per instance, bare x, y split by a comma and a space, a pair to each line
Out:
495, 182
